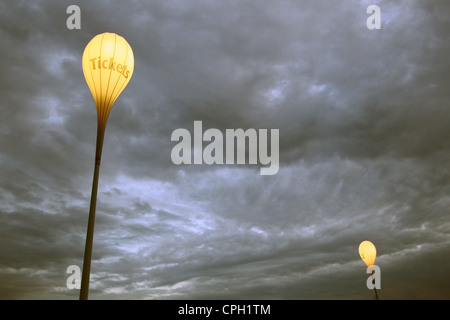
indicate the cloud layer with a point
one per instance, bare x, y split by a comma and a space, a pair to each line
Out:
364, 151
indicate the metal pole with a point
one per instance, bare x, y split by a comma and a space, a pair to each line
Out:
374, 288
84, 290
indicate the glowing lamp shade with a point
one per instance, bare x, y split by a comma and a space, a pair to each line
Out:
108, 65
368, 252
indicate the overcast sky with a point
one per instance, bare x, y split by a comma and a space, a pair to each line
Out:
363, 117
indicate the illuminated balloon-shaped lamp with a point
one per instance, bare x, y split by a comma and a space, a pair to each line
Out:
368, 254
108, 65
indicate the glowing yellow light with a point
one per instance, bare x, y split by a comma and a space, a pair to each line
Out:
108, 64
368, 253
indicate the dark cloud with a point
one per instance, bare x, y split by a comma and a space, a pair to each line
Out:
363, 151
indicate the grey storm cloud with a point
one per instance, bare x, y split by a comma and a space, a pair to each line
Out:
364, 150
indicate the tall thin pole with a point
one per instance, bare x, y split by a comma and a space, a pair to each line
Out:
374, 285
84, 290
